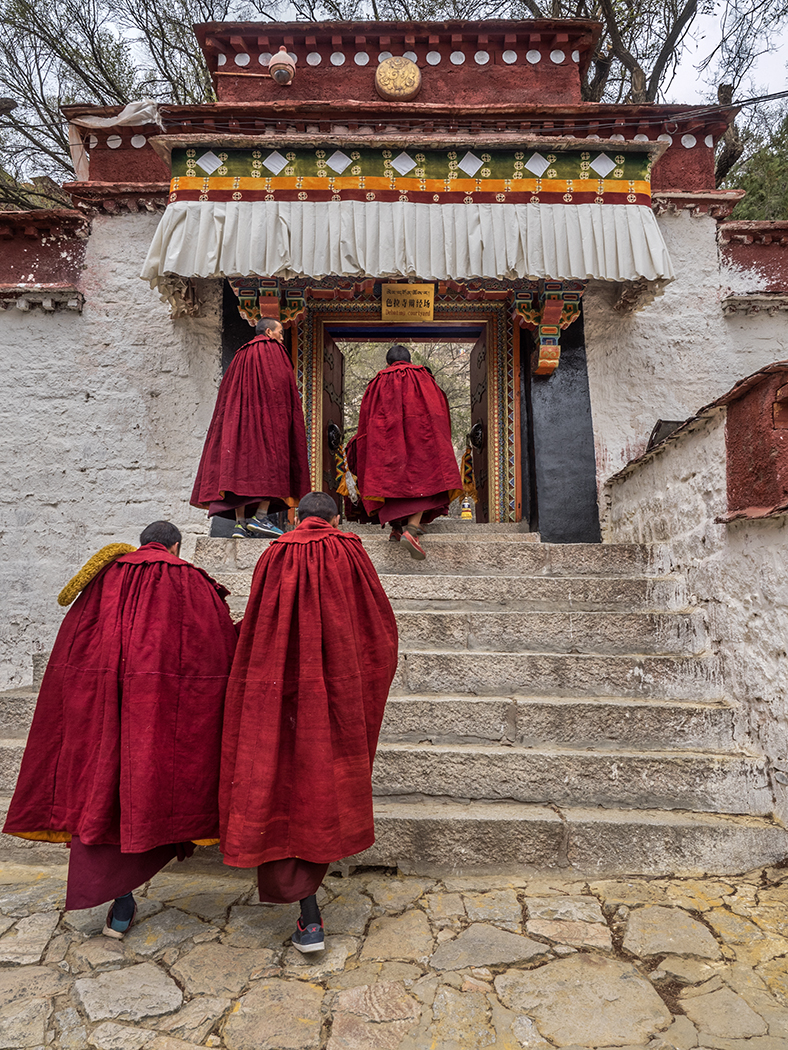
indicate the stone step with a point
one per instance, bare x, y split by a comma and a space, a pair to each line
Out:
457, 526
557, 674
25, 851
16, 711
538, 722
711, 782
513, 593
448, 554
440, 838
581, 632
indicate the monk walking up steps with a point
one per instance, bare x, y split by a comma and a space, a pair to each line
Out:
316, 655
254, 459
122, 760
407, 470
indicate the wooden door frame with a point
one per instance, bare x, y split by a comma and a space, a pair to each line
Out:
503, 382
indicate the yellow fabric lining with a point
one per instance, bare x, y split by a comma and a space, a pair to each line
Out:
91, 569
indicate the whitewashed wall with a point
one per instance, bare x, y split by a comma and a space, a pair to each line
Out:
738, 572
678, 353
103, 419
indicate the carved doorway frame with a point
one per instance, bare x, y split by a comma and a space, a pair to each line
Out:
341, 305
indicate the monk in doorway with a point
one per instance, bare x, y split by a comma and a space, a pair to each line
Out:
254, 459
303, 712
406, 466
122, 760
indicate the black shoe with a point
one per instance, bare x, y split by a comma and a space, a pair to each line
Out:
309, 938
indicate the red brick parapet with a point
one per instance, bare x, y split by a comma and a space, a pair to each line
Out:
41, 257
759, 251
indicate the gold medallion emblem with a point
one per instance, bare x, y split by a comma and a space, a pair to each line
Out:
398, 79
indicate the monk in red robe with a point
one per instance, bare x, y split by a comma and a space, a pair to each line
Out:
254, 459
316, 656
406, 468
122, 760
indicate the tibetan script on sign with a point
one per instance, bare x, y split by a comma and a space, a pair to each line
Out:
407, 302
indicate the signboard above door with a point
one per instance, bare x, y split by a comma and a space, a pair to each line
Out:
407, 302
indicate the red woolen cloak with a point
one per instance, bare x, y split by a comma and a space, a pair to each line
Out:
125, 743
315, 659
403, 443
256, 443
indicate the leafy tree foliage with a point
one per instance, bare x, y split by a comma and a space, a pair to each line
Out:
763, 170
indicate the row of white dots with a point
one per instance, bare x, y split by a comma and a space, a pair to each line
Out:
687, 141
434, 58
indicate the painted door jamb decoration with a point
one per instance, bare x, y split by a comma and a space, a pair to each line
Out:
547, 307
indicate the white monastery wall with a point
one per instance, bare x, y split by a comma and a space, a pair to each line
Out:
103, 421
738, 572
676, 354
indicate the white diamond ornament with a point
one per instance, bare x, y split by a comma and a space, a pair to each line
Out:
209, 162
602, 165
470, 164
537, 164
403, 164
338, 161
275, 162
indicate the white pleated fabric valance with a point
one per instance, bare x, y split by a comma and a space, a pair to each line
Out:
393, 238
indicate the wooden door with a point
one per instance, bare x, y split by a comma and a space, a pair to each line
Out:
480, 425
333, 410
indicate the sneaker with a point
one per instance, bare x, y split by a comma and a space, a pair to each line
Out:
263, 527
395, 535
309, 938
240, 533
414, 547
114, 927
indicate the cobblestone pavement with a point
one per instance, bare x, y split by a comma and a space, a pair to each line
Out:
410, 964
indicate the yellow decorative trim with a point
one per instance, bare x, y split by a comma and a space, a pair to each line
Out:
205, 842
91, 569
42, 836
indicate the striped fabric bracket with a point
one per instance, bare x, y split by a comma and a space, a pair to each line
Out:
429, 177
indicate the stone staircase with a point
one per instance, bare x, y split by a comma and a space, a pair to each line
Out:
555, 707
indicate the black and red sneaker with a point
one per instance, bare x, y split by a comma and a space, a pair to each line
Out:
309, 938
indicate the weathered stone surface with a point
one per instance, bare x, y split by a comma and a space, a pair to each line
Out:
351, 1032
723, 1013
482, 945
24, 1024
31, 982
195, 1020
566, 909
6, 922
630, 892
348, 913
576, 934
164, 930
611, 1004
166, 1042
128, 995
654, 930
384, 1001
445, 908
406, 937
72, 1033
100, 953
775, 975
276, 1015
26, 942
315, 966
219, 970
681, 1035
173, 883
698, 894
394, 894
461, 1019
112, 1036
40, 892
686, 971
500, 907
749, 942
260, 925
212, 907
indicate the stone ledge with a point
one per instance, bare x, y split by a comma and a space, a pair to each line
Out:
50, 299
756, 303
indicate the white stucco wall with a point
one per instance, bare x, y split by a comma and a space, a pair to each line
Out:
738, 572
679, 352
102, 424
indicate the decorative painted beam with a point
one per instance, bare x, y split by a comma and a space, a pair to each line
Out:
545, 308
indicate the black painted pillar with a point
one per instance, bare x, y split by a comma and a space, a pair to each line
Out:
563, 446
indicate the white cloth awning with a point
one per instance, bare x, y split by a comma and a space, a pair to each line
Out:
395, 238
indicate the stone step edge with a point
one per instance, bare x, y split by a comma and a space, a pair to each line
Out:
704, 654
721, 704
496, 750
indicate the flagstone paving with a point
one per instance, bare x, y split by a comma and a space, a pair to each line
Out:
455, 963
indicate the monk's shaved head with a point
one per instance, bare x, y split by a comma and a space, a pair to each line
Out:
398, 352
267, 326
161, 532
317, 505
